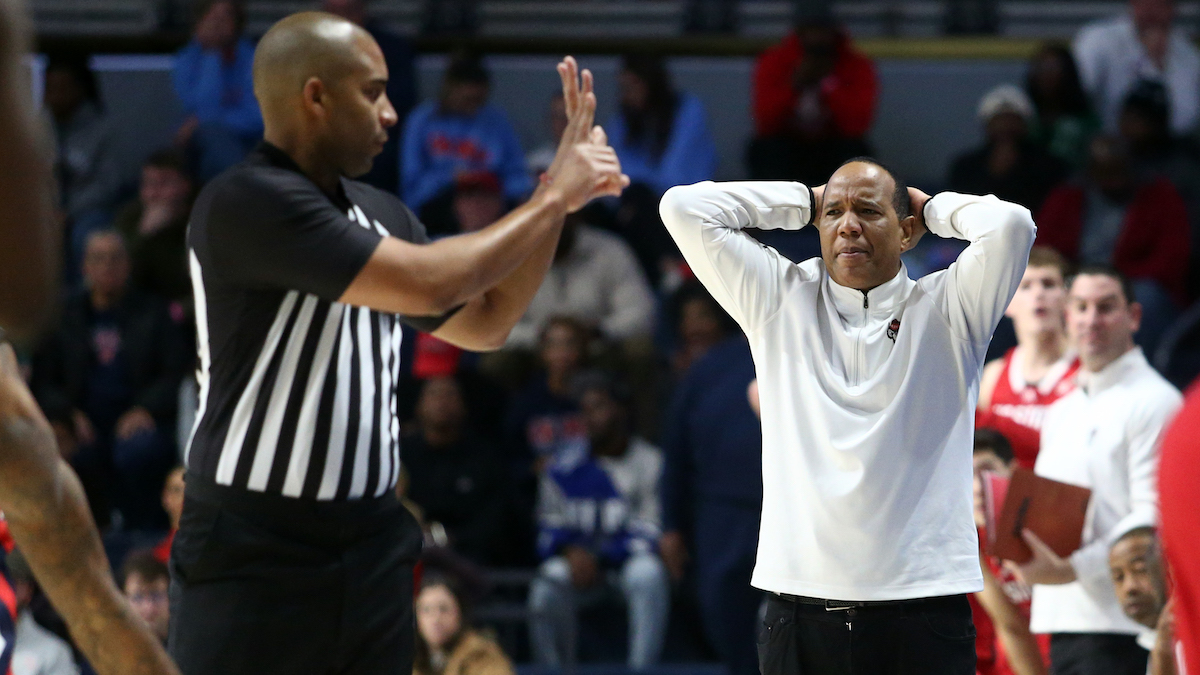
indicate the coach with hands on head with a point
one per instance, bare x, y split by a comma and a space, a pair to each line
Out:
293, 555
868, 381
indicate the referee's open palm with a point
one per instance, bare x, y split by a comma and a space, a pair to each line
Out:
585, 167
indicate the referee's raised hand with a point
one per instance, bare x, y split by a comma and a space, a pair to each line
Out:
585, 167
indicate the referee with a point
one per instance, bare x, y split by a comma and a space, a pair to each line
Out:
293, 556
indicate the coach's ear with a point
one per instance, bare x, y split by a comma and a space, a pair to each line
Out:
910, 233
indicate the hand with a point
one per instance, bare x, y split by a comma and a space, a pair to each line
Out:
811, 71
183, 135
585, 569
916, 200
135, 420
1045, 567
156, 216
584, 167
673, 552
1164, 641
752, 398
85, 433
818, 197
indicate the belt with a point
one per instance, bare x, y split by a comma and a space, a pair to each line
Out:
842, 605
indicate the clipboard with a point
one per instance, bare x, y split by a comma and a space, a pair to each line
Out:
1053, 510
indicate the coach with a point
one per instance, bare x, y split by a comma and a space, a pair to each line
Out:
293, 555
868, 381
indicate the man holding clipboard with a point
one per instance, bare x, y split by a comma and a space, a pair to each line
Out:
1103, 436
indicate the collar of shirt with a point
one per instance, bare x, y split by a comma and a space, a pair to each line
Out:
882, 299
1094, 383
271, 155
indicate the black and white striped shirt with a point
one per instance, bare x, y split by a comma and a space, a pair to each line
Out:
297, 390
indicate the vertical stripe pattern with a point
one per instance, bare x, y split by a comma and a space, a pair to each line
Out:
316, 417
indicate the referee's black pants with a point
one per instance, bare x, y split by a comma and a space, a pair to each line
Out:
1096, 654
928, 636
262, 584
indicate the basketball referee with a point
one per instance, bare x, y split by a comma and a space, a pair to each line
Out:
293, 556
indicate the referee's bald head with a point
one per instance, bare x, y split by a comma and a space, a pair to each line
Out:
321, 82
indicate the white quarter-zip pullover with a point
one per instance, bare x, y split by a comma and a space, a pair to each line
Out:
868, 399
1103, 436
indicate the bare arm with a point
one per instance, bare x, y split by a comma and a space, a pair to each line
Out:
506, 260
48, 515
27, 258
1012, 628
988, 381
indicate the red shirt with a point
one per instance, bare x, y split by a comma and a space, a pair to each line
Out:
1017, 407
1179, 509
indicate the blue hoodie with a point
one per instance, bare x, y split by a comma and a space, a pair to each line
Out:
689, 157
216, 91
439, 146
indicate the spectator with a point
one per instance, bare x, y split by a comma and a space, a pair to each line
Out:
1116, 53
1157, 152
446, 644
544, 416
85, 154
1138, 226
456, 477
401, 86
114, 365
144, 581
1103, 436
212, 76
459, 132
556, 122
155, 229
614, 475
711, 494
172, 503
594, 278
700, 324
1003, 643
661, 135
478, 200
1010, 164
814, 100
37, 651
1136, 565
1014, 391
1063, 122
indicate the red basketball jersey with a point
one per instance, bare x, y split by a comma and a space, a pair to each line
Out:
1018, 407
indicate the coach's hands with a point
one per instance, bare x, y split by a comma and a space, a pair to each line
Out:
585, 167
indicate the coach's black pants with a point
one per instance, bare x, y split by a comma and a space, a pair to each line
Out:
1096, 654
262, 584
931, 636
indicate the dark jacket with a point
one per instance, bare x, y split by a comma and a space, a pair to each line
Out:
152, 343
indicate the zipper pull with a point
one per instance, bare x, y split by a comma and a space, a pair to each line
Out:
864, 299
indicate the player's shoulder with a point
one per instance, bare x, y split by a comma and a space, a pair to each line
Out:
387, 209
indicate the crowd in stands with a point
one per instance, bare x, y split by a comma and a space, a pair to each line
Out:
612, 449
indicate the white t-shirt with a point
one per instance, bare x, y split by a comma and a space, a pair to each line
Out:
868, 400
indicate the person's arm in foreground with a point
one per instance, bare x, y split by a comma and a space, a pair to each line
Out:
495, 272
27, 240
1024, 657
982, 281
48, 515
706, 220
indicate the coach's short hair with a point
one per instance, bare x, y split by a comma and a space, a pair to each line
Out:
900, 200
1111, 273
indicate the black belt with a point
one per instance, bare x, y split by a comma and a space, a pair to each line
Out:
839, 605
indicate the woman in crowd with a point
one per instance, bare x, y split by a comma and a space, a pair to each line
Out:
1064, 121
446, 644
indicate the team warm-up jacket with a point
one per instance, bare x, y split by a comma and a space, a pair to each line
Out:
868, 398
